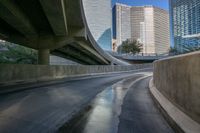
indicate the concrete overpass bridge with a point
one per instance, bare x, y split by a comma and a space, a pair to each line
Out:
139, 58
37, 98
56, 27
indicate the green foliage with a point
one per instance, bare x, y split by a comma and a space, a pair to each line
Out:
185, 49
16, 54
130, 46
188, 49
173, 50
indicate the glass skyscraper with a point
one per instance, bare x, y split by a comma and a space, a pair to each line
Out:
147, 24
185, 24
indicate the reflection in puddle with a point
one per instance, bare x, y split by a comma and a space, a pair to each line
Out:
103, 115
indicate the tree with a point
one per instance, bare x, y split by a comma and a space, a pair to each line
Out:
130, 46
185, 49
188, 48
173, 50
16, 54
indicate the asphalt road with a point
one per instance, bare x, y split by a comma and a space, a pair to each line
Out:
139, 113
125, 107
46, 109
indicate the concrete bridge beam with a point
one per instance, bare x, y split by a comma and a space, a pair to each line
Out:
14, 16
54, 10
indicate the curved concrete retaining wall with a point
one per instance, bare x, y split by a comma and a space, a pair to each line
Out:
16, 73
178, 79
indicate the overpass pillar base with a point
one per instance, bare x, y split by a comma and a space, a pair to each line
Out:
43, 56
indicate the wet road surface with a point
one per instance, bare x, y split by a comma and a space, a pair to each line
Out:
46, 109
125, 107
103, 116
139, 113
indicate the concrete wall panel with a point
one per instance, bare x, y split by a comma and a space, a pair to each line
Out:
178, 78
19, 73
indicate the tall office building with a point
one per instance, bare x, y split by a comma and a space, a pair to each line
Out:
147, 24
185, 24
122, 21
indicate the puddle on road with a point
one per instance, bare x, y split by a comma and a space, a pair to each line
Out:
102, 114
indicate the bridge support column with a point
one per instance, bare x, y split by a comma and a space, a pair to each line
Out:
43, 56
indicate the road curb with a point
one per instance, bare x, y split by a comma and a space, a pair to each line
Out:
181, 122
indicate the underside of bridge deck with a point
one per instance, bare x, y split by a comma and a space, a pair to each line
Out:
52, 27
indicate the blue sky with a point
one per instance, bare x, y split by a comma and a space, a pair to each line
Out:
159, 3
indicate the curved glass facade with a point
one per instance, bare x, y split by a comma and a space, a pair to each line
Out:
185, 24
99, 18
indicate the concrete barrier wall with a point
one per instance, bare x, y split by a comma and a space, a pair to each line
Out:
16, 73
178, 79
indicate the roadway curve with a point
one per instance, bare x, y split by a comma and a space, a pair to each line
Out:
46, 109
